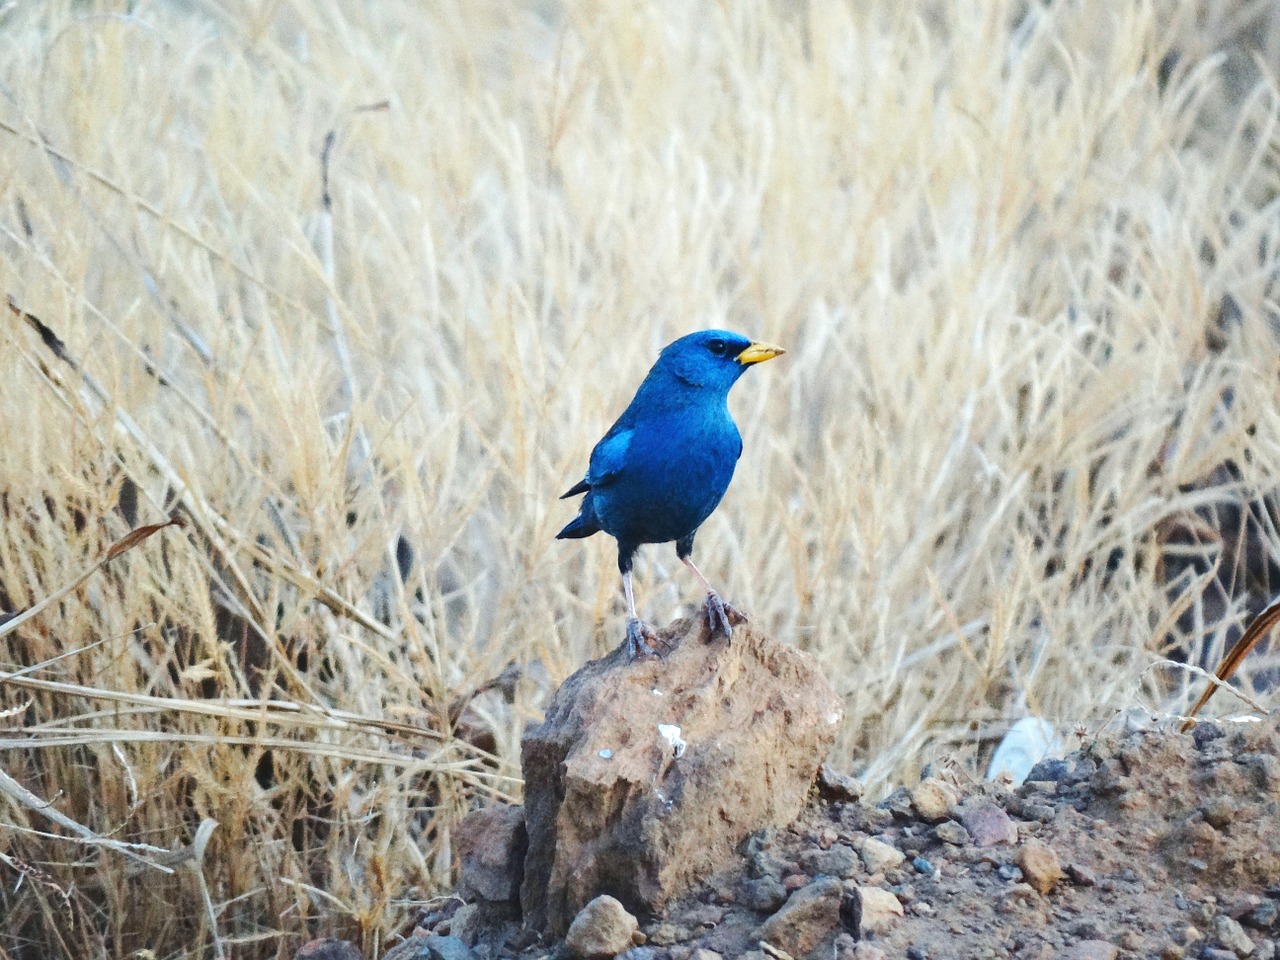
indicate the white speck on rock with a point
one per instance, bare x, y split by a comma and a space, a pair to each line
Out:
657, 692
606, 754
834, 717
671, 732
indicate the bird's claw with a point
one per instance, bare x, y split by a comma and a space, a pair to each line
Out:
721, 617
639, 634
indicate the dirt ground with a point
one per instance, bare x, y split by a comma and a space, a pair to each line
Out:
1150, 844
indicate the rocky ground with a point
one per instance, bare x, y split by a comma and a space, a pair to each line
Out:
1149, 844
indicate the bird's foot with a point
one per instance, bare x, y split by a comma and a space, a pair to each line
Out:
721, 617
639, 634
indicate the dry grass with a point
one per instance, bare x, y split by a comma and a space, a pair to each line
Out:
997, 245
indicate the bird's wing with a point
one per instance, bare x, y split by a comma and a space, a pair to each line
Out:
609, 457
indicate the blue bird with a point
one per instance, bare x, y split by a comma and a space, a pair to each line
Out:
664, 465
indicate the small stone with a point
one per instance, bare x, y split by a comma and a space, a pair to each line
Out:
924, 867
327, 948
1219, 811
917, 953
1040, 865
988, 824
1172, 951
640, 953
839, 861
1217, 953
932, 798
602, 928
1263, 916
795, 882
665, 934
1265, 950
1007, 871
1081, 875
764, 895
880, 910
952, 833
836, 787
1228, 933
1093, 950
806, 919
868, 951
880, 857
704, 954
898, 803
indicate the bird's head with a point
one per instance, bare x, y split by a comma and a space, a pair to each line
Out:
714, 358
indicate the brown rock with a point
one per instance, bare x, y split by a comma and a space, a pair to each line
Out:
603, 928
1039, 864
327, 948
610, 807
835, 787
880, 857
880, 910
988, 825
808, 918
932, 798
491, 845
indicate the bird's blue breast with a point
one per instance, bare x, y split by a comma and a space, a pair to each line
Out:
678, 465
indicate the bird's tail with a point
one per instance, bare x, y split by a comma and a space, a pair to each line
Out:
583, 525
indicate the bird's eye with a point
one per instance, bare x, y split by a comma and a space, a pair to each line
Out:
718, 347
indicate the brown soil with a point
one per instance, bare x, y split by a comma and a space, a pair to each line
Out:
1167, 845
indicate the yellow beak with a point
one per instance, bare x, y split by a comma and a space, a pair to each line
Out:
759, 352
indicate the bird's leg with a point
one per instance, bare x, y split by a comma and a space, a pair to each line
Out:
638, 632
720, 616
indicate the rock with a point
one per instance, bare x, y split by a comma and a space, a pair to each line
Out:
703, 954
867, 951
839, 861
1040, 865
988, 825
1081, 875
764, 895
952, 833
932, 798
880, 910
880, 857
1093, 950
425, 946
836, 787
327, 948
809, 917
603, 928
491, 845
1228, 934
608, 806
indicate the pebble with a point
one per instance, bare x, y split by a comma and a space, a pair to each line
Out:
917, 953
766, 894
879, 856
1082, 876
1217, 953
932, 798
839, 861
867, 951
951, 832
1265, 950
603, 928
795, 881
1040, 865
880, 910
1263, 916
704, 954
1229, 934
1007, 871
988, 824
835, 787
805, 919
924, 866
1093, 950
